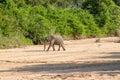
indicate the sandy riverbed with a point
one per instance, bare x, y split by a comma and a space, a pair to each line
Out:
83, 60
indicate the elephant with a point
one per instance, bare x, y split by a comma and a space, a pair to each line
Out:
118, 32
54, 40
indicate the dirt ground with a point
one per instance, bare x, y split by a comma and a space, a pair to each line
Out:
83, 60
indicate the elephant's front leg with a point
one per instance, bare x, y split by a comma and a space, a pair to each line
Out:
51, 44
48, 47
53, 47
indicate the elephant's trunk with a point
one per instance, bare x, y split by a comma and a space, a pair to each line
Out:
44, 45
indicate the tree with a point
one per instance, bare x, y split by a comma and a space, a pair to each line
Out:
117, 2
105, 12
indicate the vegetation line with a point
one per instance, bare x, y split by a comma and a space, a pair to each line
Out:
24, 22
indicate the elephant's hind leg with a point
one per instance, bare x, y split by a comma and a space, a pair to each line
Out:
59, 47
63, 47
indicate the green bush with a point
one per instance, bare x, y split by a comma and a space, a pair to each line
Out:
106, 14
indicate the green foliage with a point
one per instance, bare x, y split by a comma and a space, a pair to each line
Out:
13, 40
29, 21
106, 14
82, 23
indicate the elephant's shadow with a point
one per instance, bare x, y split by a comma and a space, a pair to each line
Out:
34, 51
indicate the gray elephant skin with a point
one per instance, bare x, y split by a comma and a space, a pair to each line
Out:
54, 40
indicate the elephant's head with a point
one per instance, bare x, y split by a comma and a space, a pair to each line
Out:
48, 39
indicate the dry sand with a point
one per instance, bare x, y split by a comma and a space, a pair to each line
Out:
83, 60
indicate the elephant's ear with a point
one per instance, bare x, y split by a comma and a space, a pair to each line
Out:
45, 39
52, 36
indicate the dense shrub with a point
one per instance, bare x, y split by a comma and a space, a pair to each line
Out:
106, 14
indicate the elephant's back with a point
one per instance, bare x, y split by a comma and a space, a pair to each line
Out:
58, 39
